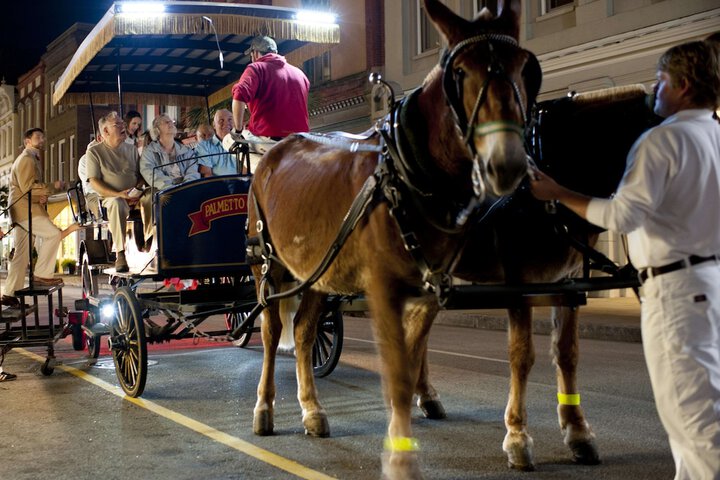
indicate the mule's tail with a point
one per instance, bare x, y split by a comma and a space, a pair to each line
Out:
288, 308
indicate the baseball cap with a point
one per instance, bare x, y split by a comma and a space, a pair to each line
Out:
262, 44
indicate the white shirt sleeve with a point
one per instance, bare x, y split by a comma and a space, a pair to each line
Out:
641, 189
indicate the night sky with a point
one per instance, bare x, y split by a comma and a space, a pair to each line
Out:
30, 25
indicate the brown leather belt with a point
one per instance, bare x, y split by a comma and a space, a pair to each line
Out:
671, 267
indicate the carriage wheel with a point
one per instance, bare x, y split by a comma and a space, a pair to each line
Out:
89, 289
47, 368
78, 337
232, 320
92, 342
328, 343
89, 284
127, 342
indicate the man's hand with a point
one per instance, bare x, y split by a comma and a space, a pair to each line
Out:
43, 199
543, 187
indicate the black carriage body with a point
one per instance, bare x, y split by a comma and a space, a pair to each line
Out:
201, 227
584, 143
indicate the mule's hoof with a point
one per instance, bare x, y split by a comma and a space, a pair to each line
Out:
585, 452
316, 425
433, 410
518, 447
521, 468
400, 466
263, 424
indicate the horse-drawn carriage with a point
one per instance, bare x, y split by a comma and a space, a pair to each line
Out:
195, 51
434, 190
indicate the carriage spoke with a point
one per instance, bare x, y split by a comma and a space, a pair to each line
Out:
130, 350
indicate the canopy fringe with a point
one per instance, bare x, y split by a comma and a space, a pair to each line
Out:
112, 25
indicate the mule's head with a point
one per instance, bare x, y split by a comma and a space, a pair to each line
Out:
490, 84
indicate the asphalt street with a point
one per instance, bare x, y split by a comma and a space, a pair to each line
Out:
195, 418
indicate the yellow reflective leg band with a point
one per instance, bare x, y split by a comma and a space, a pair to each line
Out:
568, 398
401, 444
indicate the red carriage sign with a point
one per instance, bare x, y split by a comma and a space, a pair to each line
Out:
215, 208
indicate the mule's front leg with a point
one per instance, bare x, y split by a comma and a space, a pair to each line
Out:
314, 417
417, 320
263, 413
576, 431
399, 376
518, 444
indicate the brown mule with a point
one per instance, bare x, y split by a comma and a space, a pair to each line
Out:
418, 174
519, 244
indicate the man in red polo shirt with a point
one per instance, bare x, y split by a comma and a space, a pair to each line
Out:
275, 92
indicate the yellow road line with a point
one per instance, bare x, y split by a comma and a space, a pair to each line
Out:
238, 444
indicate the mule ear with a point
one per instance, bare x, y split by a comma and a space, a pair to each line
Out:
509, 11
444, 20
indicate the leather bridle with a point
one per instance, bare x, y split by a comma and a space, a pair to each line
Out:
453, 90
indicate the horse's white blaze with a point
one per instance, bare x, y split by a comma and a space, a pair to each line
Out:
298, 240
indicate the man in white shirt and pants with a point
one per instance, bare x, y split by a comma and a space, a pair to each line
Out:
668, 203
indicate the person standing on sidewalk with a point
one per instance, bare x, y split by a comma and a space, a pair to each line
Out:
26, 176
667, 203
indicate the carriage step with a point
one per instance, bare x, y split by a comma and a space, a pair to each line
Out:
13, 314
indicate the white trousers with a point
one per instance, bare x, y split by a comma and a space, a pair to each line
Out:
681, 339
117, 212
48, 237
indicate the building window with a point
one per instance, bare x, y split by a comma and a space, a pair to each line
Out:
72, 174
61, 160
38, 120
28, 114
428, 37
478, 5
549, 5
50, 166
52, 107
318, 69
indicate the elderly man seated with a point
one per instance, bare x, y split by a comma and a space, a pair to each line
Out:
112, 170
213, 157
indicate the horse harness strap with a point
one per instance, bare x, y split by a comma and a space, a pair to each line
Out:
357, 210
433, 281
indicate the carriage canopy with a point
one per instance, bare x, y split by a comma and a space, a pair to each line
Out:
183, 53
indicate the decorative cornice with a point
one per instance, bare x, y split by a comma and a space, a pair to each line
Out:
339, 105
624, 45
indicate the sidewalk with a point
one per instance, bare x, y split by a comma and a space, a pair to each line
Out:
615, 319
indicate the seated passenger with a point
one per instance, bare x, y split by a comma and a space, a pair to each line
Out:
112, 170
166, 162
203, 133
91, 196
133, 126
220, 162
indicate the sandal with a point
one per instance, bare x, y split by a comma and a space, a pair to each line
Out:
7, 376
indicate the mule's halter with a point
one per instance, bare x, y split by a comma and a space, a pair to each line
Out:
452, 87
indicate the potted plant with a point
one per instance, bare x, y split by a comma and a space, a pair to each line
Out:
68, 266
